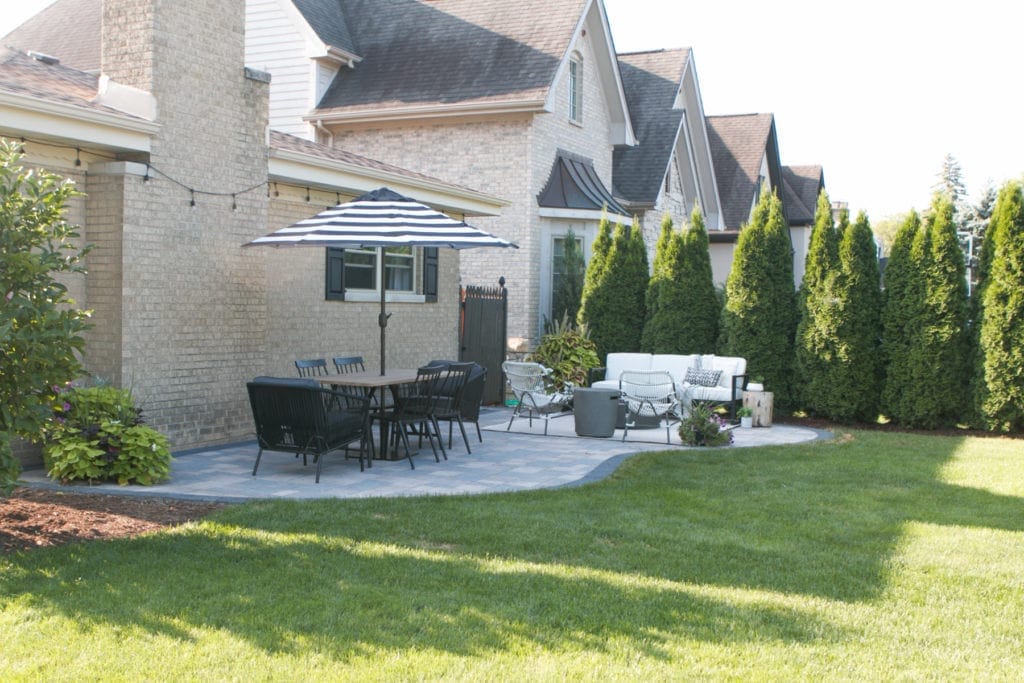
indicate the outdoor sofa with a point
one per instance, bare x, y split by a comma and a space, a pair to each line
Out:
697, 377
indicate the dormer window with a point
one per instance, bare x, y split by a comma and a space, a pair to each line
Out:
576, 88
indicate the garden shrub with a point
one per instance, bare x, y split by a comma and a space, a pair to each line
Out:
97, 434
40, 328
902, 301
704, 427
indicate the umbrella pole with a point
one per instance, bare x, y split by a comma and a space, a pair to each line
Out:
382, 320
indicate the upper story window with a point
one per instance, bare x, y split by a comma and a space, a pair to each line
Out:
576, 88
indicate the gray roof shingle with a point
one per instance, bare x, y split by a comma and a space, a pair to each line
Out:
439, 52
800, 188
68, 30
738, 144
651, 81
327, 19
21, 74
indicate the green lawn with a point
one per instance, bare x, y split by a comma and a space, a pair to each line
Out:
878, 556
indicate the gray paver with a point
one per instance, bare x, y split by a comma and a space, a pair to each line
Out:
520, 459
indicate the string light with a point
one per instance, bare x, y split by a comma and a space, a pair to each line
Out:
192, 202
78, 157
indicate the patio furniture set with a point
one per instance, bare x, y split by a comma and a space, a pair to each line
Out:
634, 391
320, 412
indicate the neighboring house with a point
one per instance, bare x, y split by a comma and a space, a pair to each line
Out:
745, 149
179, 170
670, 170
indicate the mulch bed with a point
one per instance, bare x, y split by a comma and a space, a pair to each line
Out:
35, 518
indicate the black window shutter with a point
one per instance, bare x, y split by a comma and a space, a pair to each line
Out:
430, 273
334, 288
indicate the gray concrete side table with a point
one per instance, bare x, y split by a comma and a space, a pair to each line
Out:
594, 411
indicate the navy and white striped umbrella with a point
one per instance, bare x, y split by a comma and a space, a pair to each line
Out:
381, 218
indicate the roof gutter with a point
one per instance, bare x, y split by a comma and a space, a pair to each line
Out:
381, 114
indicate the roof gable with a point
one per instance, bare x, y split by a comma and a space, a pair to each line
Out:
800, 188
651, 82
327, 20
739, 145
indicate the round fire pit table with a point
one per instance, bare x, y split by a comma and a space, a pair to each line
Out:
594, 411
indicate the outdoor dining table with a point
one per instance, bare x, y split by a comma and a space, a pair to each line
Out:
372, 381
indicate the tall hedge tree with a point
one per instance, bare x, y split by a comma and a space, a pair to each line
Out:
40, 329
858, 376
939, 359
699, 308
615, 309
594, 276
819, 315
1000, 392
660, 329
660, 275
759, 319
902, 304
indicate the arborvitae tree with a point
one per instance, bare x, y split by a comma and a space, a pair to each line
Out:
1000, 392
858, 376
817, 330
565, 299
760, 310
660, 273
939, 359
595, 267
902, 303
614, 310
700, 309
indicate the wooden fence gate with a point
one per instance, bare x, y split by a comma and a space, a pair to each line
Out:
483, 333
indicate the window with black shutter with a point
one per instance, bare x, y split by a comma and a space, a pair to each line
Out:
335, 280
430, 273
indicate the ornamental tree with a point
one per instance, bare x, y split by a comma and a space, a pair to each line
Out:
759, 319
40, 329
698, 309
819, 315
902, 304
999, 390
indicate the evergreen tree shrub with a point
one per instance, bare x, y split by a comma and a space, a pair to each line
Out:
999, 394
938, 360
594, 277
819, 315
660, 274
858, 377
699, 307
760, 310
902, 304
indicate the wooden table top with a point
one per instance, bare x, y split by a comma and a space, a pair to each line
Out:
371, 378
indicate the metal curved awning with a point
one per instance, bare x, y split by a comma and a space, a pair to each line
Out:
574, 184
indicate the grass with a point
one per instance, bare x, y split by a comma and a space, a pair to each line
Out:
878, 556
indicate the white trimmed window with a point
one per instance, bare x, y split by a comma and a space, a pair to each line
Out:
356, 275
576, 88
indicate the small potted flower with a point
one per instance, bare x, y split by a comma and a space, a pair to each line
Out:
746, 415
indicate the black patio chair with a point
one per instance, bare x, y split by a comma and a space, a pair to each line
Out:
413, 412
347, 364
470, 400
312, 368
299, 416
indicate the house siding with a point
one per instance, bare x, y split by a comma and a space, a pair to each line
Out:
273, 44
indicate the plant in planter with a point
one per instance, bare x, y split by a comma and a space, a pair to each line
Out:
97, 433
704, 427
746, 415
569, 352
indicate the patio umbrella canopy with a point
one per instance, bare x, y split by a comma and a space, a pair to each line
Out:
381, 218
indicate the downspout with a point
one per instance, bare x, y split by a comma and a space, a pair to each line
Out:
323, 129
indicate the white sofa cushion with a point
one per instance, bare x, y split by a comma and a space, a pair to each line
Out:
617, 362
674, 364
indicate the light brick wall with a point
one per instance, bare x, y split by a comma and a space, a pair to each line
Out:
509, 157
193, 312
301, 323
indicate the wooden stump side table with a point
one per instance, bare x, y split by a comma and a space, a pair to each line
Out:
761, 403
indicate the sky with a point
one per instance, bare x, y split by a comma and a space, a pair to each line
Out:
878, 92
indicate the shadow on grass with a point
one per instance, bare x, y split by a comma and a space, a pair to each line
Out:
622, 560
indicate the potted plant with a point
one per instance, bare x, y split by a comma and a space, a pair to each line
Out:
756, 383
746, 415
703, 427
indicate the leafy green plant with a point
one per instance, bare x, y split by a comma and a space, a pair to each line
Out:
704, 427
568, 351
96, 433
745, 411
40, 328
